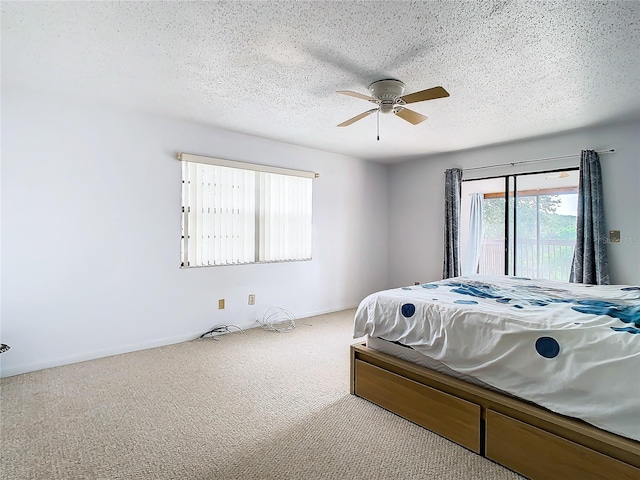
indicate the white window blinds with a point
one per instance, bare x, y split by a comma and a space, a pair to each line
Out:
285, 217
234, 215
219, 211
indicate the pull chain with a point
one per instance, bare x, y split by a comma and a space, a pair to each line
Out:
378, 118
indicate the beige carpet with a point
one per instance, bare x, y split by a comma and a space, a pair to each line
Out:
255, 406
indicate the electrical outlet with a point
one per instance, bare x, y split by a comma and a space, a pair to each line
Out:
221, 304
252, 299
614, 236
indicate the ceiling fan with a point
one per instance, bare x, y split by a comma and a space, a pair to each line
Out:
388, 95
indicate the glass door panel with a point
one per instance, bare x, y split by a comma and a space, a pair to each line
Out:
546, 209
482, 227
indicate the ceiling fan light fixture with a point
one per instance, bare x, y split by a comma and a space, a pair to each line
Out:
387, 89
388, 95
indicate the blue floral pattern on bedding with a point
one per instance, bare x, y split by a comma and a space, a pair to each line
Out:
524, 294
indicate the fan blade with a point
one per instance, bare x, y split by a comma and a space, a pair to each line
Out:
357, 117
428, 94
357, 95
411, 116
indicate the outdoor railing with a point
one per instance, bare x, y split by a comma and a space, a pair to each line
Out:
550, 259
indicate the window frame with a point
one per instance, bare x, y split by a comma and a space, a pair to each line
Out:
259, 241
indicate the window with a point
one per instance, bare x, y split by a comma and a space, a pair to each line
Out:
527, 225
237, 213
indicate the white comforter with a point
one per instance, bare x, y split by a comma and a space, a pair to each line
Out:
572, 348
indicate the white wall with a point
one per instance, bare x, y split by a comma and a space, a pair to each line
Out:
91, 234
416, 194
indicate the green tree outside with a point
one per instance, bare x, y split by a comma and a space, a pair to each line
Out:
548, 256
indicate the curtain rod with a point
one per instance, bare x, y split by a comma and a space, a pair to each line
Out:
513, 164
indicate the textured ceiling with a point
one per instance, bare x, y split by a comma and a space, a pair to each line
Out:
514, 69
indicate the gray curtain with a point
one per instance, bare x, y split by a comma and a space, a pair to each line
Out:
590, 263
452, 197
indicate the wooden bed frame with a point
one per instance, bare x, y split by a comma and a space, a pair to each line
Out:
528, 439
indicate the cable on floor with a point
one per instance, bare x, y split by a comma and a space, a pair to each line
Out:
219, 329
276, 319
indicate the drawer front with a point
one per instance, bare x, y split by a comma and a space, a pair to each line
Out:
444, 414
542, 455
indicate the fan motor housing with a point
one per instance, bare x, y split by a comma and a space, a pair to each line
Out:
387, 92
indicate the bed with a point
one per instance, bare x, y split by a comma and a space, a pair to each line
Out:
540, 376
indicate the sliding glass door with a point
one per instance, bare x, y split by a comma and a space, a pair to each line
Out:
546, 209
526, 225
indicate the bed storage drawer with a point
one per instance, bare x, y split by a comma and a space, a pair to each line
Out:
444, 414
530, 451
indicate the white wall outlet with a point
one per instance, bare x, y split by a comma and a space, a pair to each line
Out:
252, 299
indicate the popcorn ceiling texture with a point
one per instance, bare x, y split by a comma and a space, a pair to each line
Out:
514, 69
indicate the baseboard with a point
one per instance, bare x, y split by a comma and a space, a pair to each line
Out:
159, 342
83, 357
322, 312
